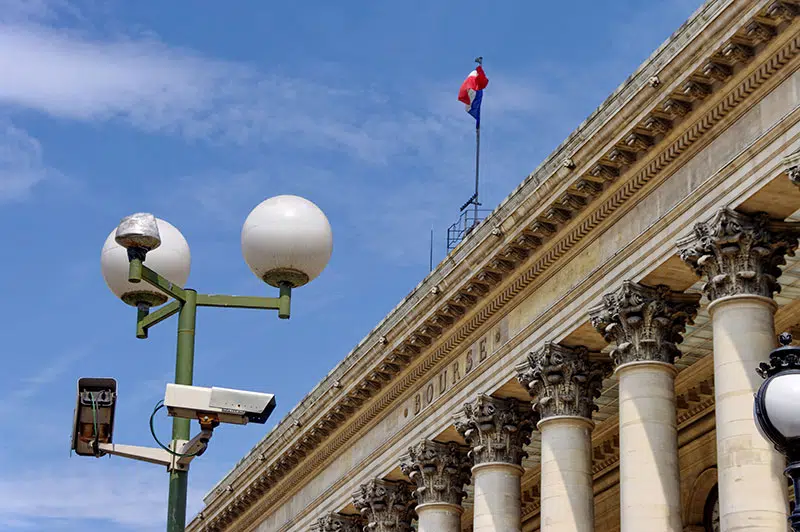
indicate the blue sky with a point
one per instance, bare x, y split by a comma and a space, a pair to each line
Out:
197, 111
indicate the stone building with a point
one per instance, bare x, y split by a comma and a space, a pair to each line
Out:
585, 359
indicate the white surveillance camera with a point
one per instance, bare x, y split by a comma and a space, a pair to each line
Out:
218, 404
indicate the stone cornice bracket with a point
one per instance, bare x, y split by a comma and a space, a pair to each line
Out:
646, 323
440, 471
562, 380
739, 253
386, 506
335, 522
792, 165
497, 430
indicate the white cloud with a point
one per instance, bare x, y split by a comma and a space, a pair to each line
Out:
46, 374
21, 164
158, 88
128, 494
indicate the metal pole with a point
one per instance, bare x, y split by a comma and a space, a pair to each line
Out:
431, 252
477, 169
184, 364
793, 472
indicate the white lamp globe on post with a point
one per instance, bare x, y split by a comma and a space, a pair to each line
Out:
776, 411
171, 258
287, 241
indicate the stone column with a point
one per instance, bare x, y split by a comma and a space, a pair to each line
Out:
496, 430
564, 383
335, 522
440, 471
646, 323
739, 255
386, 506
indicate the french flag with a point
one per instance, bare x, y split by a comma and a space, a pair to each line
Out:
471, 93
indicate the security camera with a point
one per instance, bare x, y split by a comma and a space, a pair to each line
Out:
218, 405
93, 423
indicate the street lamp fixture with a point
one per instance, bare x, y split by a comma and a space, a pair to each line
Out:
286, 242
776, 413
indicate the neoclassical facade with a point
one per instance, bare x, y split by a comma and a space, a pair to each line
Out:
585, 359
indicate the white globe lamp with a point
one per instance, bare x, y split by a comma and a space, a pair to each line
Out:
776, 410
172, 260
287, 240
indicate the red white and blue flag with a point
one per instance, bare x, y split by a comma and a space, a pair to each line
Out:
471, 93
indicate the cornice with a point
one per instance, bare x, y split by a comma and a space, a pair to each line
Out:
529, 242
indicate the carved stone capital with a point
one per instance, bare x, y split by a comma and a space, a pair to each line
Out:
646, 323
335, 522
562, 380
496, 429
739, 253
440, 471
386, 506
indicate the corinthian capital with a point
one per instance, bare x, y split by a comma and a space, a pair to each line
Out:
563, 381
646, 323
496, 429
739, 253
440, 471
385, 505
335, 522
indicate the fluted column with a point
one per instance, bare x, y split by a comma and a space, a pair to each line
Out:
496, 430
739, 257
564, 383
335, 522
440, 471
646, 324
385, 505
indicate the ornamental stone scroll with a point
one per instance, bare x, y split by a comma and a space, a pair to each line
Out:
440, 471
336, 522
562, 380
739, 254
385, 505
645, 323
496, 429
792, 165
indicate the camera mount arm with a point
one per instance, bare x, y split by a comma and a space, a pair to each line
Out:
177, 460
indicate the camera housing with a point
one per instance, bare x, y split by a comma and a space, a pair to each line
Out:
93, 421
218, 405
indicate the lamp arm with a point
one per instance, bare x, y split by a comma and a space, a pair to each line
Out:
145, 319
138, 272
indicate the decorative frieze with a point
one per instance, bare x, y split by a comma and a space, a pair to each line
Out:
717, 71
782, 11
440, 471
386, 506
562, 380
646, 323
496, 429
735, 52
676, 108
739, 253
759, 32
335, 522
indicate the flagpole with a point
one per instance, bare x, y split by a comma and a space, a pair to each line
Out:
477, 169
431, 253
478, 60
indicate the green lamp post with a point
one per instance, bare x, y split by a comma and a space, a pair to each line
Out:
286, 242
